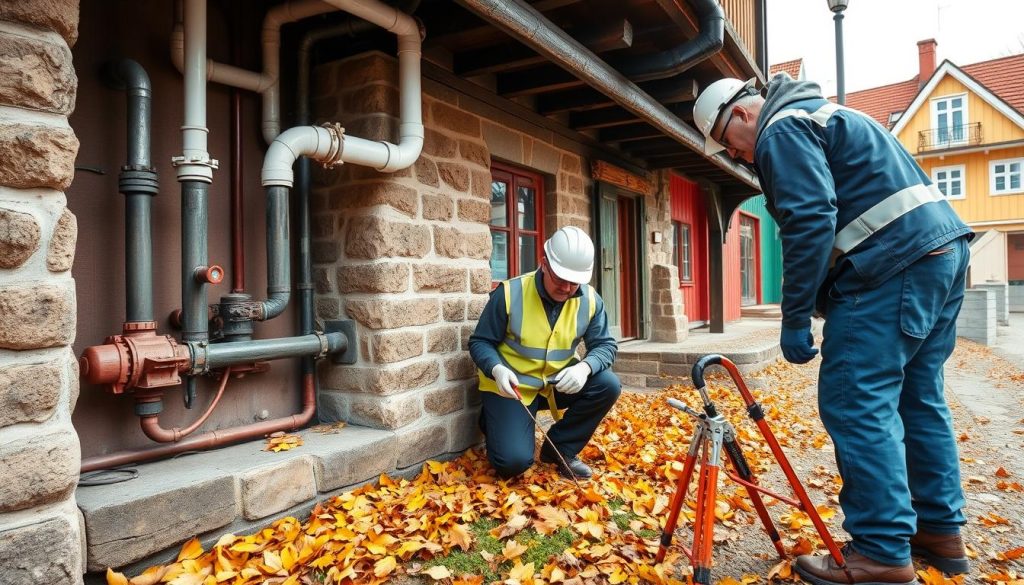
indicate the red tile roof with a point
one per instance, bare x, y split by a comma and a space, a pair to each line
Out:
1000, 76
791, 67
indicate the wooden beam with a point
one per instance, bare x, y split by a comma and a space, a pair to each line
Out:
667, 91
609, 173
603, 118
535, 81
629, 133
453, 28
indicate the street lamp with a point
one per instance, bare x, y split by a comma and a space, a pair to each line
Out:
837, 7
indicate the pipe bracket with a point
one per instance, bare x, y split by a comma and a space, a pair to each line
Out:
337, 133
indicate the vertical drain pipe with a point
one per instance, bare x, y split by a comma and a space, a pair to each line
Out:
195, 173
138, 182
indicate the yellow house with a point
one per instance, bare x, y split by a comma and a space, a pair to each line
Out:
965, 127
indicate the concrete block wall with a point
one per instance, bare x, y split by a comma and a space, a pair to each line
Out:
41, 538
977, 319
406, 254
1016, 298
1001, 291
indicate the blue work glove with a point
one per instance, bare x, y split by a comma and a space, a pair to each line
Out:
798, 345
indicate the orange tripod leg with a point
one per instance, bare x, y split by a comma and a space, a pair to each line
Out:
678, 499
739, 463
705, 525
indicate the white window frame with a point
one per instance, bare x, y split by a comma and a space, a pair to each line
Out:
948, 181
935, 117
992, 176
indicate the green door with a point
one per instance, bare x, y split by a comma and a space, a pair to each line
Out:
609, 255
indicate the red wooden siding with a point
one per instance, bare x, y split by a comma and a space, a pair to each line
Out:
733, 286
688, 207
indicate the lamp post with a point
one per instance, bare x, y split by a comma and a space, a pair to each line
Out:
837, 7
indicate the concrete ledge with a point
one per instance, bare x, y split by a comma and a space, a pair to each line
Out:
134, 524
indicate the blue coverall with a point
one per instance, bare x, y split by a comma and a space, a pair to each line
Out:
509, 431
890, 299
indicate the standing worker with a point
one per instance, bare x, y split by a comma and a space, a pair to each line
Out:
525, 344
874, 246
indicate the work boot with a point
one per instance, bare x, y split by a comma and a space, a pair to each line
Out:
576, 468
823, 570
945, 552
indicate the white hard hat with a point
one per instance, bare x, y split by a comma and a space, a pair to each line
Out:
571, 254
710, 104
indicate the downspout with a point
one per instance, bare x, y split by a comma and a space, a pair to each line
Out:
528, 25
138, 182
709, 40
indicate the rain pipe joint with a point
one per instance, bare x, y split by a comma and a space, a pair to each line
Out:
324, 144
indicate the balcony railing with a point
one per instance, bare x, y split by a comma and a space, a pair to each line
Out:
952, 137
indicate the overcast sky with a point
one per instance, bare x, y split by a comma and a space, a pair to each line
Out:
880, 36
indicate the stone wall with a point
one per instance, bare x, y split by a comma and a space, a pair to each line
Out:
40, 531
977, 318
407, 254
668, 315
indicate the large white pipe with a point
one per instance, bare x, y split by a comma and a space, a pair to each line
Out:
195, 163
318, 143
266, 82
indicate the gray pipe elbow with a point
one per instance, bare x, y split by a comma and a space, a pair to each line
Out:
275, 304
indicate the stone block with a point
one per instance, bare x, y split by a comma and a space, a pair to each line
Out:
390, 412
43, 552
460, 367
36, 155
381, 380
124, 524
677, 370
503, 142
464, 430
456, 243
480, 280
571, 184
442, 277
426, 173
454, 310
635, 367
467, 330
475, 307
373, 237
438, 145
274, 488
57, 15
415, 445
61, 253
475, 153
369, 99
380, 277
328, 307
35, 315
438, 207
29, 392
445, 400
323, 225
480, 184
395, 346
544, 158
36, 73
392, 314
571, 164
38, 469
19, 237
400, 197
359, 454
326, 251
322, 282
455, 120
474, 210
365, 68
632, 380
439, 340
455, 175
373, 127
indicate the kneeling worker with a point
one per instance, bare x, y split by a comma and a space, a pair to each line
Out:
526, 341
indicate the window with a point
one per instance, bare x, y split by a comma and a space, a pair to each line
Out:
950, 180
894, 117
1005, 176
682, 256
517, 198
949, 119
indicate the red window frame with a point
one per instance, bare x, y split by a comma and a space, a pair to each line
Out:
515, 178
678, 249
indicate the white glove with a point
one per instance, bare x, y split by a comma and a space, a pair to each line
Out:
507, 381
571, 380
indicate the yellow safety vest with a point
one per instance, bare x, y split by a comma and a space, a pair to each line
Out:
532, 348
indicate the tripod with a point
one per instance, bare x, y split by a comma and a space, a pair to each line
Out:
712, 435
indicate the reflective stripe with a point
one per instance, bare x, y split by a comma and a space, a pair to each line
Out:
583, 314
515, 317
525, 380
885, 212
539, 353
820, 116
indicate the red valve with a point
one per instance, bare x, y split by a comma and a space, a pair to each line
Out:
210, 274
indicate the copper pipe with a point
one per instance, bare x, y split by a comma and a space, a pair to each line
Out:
151, 423
213, 438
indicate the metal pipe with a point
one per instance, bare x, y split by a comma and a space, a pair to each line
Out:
150, 423
194, 225
237, 202
214, 356
213, 439
138, 182
528, 25
840, 74
709, 40
278, 259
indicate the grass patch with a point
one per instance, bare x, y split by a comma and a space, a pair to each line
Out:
622, 516
539, 550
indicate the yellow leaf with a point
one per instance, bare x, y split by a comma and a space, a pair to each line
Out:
438, 572
225, 575
1011, 555
115, 578
150, 576
190, 550
522, 573
460, 537
514, 525
513, 549
288, 557
385, 566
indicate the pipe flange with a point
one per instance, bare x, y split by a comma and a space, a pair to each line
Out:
152, 408
138, 181
337, 133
